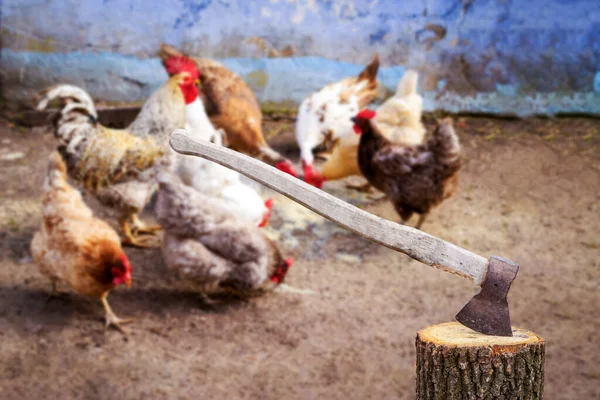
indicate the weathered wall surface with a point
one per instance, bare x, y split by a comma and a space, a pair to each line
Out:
507, 56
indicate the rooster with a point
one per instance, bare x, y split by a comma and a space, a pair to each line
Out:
233, 107
206, 244
414, 178
398, 119
74, 246
325, 115
211, 178
119, 166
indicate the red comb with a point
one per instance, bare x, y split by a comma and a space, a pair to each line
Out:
282, 271
366, 114
177, 64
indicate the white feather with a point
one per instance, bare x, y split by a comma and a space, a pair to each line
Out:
69, 91
323, 112
399, 118
213, 179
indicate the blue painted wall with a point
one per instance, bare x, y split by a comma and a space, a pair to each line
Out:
506, 56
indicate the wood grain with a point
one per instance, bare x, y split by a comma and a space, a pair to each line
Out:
454, 362
412, 242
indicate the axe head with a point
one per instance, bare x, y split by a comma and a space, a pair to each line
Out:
487, 312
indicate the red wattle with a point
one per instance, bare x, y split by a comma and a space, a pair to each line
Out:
190, 93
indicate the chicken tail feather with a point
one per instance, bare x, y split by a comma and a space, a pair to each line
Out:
408, 84
68, 94
445, 142
370, 71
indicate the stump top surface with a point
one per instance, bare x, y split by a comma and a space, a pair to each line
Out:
455, 334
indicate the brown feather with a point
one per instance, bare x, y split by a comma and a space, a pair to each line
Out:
415, 178
73, 245
231, 105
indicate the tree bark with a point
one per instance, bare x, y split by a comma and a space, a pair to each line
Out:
455, 362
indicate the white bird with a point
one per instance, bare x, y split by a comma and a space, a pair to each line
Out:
325, 115
215, 180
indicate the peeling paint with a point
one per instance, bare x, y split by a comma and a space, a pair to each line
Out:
257, 79
479, 55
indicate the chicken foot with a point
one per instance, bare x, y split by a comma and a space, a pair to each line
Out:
132, 239
363, 188
111, 318
140, 227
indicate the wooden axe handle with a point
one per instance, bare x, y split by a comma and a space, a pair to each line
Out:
412, 242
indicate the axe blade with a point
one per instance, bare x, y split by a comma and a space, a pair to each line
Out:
487, 312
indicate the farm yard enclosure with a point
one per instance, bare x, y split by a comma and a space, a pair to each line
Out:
528, 191
346, 95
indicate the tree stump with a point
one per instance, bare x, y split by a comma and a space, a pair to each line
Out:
455, 362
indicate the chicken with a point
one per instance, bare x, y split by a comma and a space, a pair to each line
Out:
226, 185
119, 167
325, 115
74, 246
206, 244
414, 178
211, 178
233, 107
398, 119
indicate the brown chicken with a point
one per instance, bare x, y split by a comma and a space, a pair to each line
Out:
119, 166
414, 178
233, 107
74, 246
208, 245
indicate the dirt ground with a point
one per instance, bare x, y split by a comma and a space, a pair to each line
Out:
529, 191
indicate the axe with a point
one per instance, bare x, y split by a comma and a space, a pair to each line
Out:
486, 313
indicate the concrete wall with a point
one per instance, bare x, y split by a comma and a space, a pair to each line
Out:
505, 56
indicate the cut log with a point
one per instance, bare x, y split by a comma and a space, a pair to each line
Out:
455, 362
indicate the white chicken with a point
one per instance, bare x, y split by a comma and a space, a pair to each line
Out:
325, 115
399, 117
215, 180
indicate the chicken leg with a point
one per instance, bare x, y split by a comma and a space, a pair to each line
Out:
421, 220
111, 318
55, 294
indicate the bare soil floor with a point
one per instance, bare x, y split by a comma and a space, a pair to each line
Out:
529, 191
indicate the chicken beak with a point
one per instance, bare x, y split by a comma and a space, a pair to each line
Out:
353, 119
128, 283
197, 82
